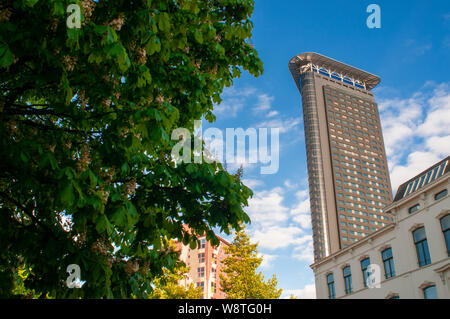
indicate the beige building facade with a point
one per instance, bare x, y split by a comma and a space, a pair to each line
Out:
411, 255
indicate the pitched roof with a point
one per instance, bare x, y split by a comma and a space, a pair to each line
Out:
424, 178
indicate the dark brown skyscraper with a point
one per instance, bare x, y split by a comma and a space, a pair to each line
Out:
347, 169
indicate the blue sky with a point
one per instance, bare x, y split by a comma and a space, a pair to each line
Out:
411, 54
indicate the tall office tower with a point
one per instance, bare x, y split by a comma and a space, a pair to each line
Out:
348, 176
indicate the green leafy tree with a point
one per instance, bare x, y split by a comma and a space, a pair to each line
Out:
239, 277
172, 284
20, 276
86, 115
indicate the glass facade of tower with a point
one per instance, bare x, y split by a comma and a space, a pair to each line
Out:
347, 170
319, 220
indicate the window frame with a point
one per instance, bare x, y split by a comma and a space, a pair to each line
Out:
202, 243
364, 267
331, 286
414, 209
201, 272
422, 248
441, 194
347, 279
446, 232
388, 262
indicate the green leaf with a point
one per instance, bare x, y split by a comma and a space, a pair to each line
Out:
193, 244
219, 49
114, 197
223, 179
103, 225
132, 214
92, 179
111, 36
190, 168
153, 45
164, 22
164, 134
23, 157
67, 195
6, 56
125, 168
31, 3
69, 95
68, 172
198, 36
115, 50
58, 8
119, 218
101, 29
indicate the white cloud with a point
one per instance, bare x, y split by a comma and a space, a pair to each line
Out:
233, 101
277, 226
266, 207
285, 125
416, 163
229, 107
276, 237
264, 103
307, 292
267, 260
301, 211
252, 183
304, 250
272, 114
437, 121
304, 220
283, 230
416, 48
239, 161
416, 131
399, 118
439, 145
232, 91
289, 185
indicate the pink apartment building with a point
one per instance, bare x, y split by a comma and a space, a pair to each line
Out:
205, 264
